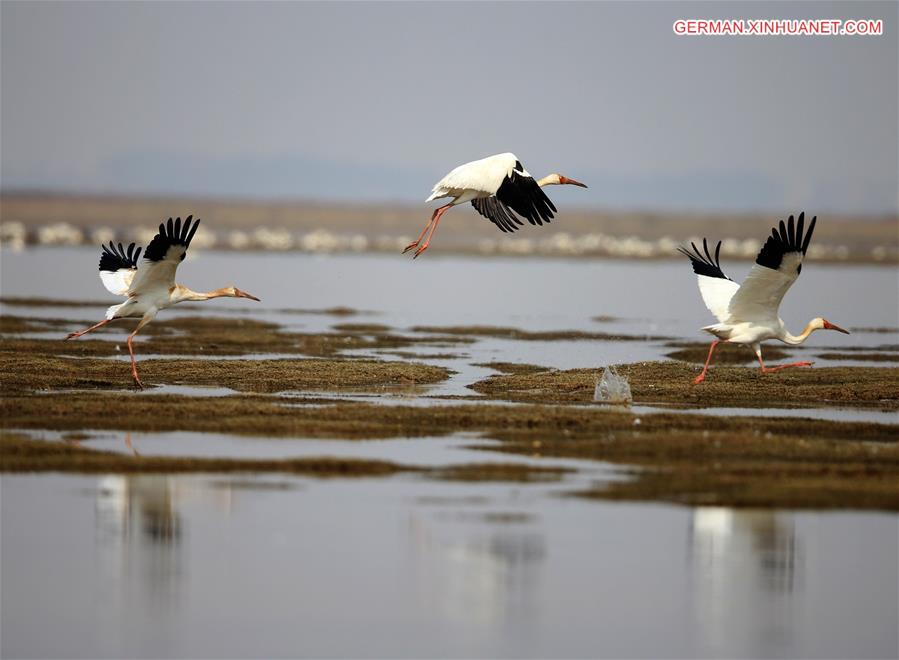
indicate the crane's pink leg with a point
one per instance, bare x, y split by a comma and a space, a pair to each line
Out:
768, 370
701, 377
73, 335
437, 216
423, 232
144, 321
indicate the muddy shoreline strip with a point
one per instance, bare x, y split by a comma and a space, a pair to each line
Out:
726, 386
674, 457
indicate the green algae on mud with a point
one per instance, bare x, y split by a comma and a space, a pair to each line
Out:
361, 328
735, 354
517, 472
770, 484
202, 335
513, 367
20, 453
412, 355
750, 463
682, 458
22, 371
268, 415
702, 459
672, 382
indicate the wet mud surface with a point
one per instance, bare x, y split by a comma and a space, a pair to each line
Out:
726, 386
24, 372
679, 457
206, 336
19, 453
725, 353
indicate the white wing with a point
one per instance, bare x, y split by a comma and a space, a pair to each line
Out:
777, 266
763, 290
485, 175
717, 294
118, 282
715, 287
117, 267
163, 255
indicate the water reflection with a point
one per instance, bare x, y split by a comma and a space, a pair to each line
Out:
479, 576
745, 567
141, 537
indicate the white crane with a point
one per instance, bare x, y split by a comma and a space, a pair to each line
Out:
150, 285
498, 187
747, 314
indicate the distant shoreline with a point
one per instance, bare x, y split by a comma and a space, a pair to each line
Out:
66, 219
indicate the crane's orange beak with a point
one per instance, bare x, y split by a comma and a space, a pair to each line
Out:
564, 180
243, 294
830, 326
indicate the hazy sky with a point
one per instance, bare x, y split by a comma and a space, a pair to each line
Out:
359, 101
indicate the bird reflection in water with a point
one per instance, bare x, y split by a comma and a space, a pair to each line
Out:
745, 565
481, 574
141, 532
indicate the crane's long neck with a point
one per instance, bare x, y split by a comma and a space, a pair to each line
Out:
795, 340
549, 180
182, 294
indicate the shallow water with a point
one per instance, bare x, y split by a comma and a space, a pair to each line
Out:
650, 297
240, 566
276, 565
423, 451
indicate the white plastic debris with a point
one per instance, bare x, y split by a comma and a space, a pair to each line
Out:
612, 388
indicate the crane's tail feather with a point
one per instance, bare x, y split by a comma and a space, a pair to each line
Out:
110, 313
720, 330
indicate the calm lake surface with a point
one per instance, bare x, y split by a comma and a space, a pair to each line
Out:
275, 566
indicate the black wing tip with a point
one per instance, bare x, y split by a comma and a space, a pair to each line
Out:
176, 229
116, 257
792, 233
497, 213
786, 237
704, 264
172, 232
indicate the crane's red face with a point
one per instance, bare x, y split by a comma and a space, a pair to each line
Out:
564, 180
830, 326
